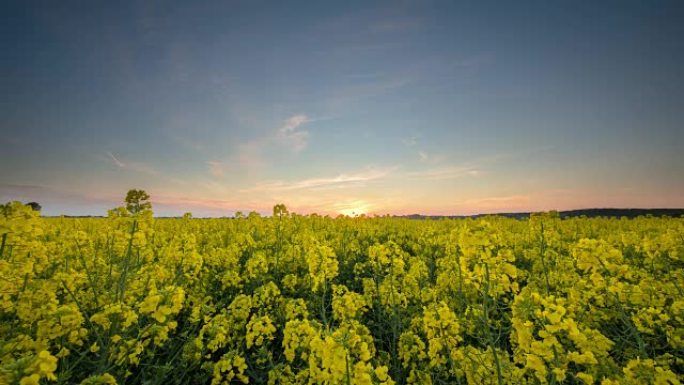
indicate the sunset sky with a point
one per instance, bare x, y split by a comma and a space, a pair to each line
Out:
393, 107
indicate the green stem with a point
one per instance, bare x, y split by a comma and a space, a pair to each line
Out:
2, 246
88, 275
124, 274
542, 249
346, 361
490, 338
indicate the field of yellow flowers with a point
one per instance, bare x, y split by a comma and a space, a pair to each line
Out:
291, 299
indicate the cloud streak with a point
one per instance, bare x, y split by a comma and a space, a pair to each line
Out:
445, 173
130, 165
359, 178
115, 160
290, 134
339, 181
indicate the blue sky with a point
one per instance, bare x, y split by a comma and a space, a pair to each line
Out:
341, 107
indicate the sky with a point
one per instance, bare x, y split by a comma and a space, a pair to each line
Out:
349, 107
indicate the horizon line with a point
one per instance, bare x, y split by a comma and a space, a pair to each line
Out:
375, 215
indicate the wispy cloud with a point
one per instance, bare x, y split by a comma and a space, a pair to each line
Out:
115, 160
339, 181
442, 173
293, 122
216, 168
251, 155
134, 166
410, 141
291, 135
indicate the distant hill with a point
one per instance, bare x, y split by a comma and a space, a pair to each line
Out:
590, 213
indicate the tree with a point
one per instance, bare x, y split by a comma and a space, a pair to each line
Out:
137, 201
34, 205
280, 210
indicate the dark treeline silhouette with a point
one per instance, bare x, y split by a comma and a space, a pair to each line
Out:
589, 213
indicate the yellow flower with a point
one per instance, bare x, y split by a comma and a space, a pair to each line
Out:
322, 263
586, 378
259, 330
537, 365
33, 379
347, 304
103, 379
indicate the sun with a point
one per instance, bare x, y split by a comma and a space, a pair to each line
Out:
353, 211
352, 208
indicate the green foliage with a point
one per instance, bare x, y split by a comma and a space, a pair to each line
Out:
35, 206
137, 201
280, 211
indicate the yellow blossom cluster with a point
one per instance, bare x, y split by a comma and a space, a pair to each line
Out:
294, 299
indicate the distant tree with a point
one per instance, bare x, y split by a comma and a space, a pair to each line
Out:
280, 210
187, 216
239, 214
9, 208
16, 209
137, 201
118, 212
35, 206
